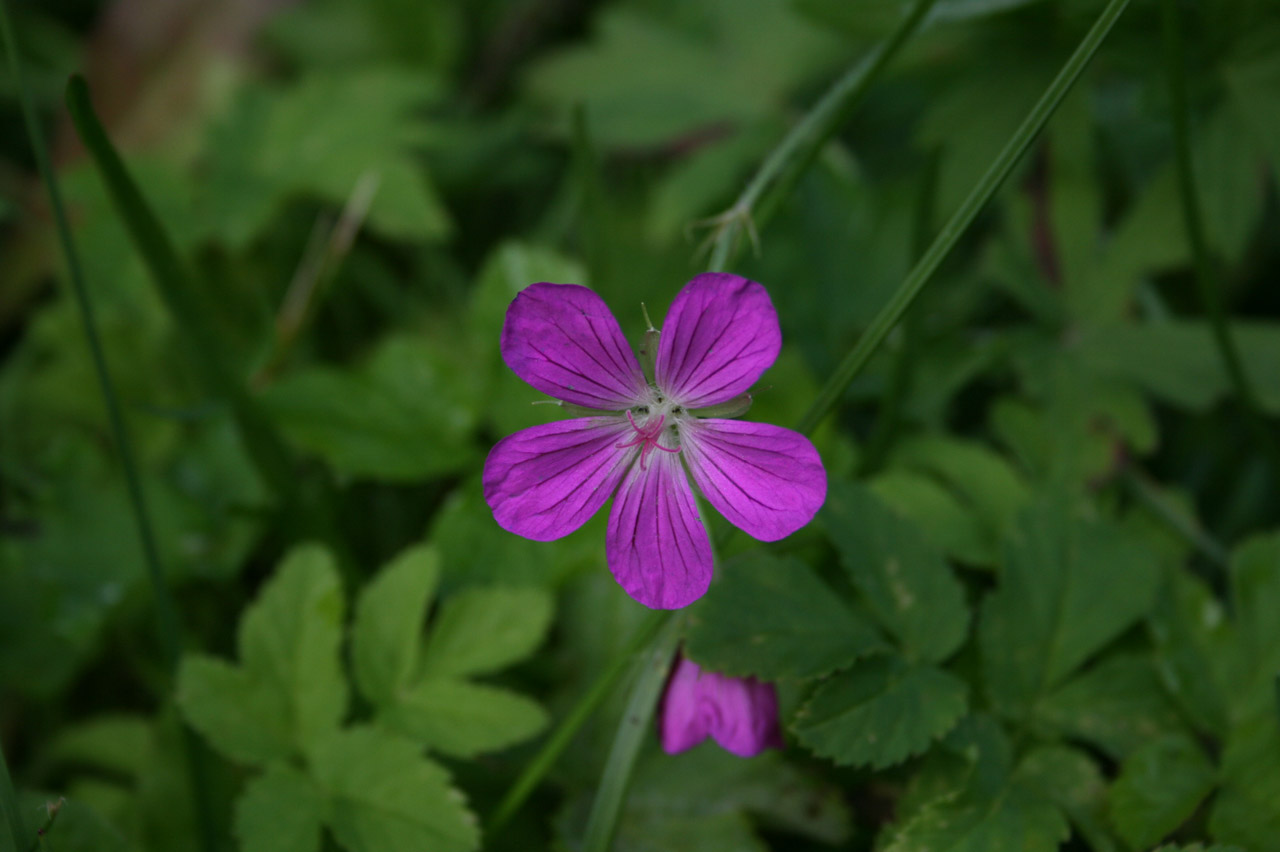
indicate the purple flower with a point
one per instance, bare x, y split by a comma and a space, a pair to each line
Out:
741, 714
640, 437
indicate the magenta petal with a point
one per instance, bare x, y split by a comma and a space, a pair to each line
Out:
720, 335
546, 481
746, 721
562, 339
657, 548
766, 480
741, 714
683, 724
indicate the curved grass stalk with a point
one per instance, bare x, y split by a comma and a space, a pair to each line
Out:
961, 219
797, 151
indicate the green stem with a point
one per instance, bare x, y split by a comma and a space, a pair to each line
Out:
9, 808
167, 625
263, 442
165, 609
1206, 279
1175, 519
960, 221
559, 741
635, 726
800, 147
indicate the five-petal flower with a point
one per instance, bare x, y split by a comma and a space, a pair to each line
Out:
639, 438
741, 714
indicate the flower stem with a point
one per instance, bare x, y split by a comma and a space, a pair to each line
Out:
261, 438
167, 625
797, 151
1206, 279
961, 219
587, 704
632, 730
9, 809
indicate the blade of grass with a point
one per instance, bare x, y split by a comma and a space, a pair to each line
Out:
791, 159
961, 219
8, 797
1193, 220
559, 741
167, 625
636, 724
263, 442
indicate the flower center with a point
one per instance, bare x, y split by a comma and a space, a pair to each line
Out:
648, 429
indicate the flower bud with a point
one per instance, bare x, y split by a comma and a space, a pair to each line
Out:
741, 714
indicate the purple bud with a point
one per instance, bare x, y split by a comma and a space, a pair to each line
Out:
741, 714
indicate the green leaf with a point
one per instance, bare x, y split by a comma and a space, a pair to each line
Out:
907, 584
390, 615
1255, 593
1244, 810
78, 827
1071, 779
463, 719
937, 513
880, 712
385, 797
280, 811
1178, 362
1117, 705
1160, 786
482, 630
405, 415
241, 717
1198, 847
290, 639
1195, 645
993, 809
1070, 584
773, 618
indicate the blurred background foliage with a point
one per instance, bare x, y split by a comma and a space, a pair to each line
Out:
361, 186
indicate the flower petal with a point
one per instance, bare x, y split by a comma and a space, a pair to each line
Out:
720, 335
562, 339
657, 548
684, 723
546, 481
766, 480
746, 718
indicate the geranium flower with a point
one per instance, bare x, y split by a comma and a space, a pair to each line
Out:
639, 437
741, 714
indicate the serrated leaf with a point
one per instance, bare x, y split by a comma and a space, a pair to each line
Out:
1244, 810
908, 586
1071, 779
390, 617
1070, 584
1117, 705
484, 629
773, 618
290, 639
987, 481
1019, 820
1194, 643
385, 797
937, 513
1160, 785
241, 717
880, 712
463, 719
280, 811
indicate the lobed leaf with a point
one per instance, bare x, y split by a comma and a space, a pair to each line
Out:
390, 615
463, 719
281, 810
484, 629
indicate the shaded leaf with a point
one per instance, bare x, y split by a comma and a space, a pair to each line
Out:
1071, 779
773, 618
907, 585
1160, 785
241, 717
